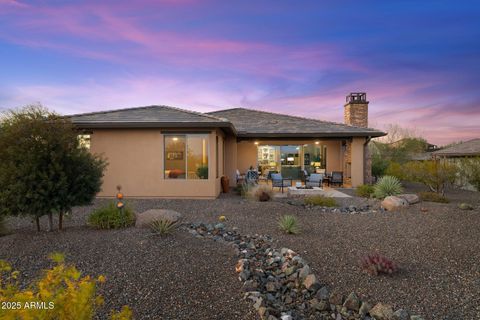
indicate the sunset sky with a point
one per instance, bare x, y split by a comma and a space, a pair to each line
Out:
418, 61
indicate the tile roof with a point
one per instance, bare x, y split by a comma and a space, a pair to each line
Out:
149, 116
252, 123
468, 148
240, 121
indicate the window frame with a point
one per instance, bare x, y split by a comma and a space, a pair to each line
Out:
185, 152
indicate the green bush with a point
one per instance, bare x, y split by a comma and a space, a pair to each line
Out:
379, 165
470, 171
433, 197
289, 224
436, 175
320, 201
387, 186
395, 169
365, 191
110, 217
163, 227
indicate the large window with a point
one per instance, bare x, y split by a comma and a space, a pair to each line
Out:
186, 156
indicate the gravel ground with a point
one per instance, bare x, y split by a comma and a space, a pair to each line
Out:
178, 277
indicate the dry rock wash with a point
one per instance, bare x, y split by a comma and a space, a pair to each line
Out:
280, 284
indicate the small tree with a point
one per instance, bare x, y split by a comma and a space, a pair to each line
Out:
43, 169
436, 175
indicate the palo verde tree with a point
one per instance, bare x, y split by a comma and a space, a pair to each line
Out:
43, 168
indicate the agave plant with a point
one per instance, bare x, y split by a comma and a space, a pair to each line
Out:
387, 186
163, 226
289, 224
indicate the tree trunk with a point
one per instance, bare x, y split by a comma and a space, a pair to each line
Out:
60, 220
37, 220
50, 222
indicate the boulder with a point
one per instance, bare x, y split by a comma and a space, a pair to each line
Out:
393, 203
144, 219
382, 311
410, 197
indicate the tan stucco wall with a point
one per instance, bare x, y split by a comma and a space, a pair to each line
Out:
357, 161
231, 158
135, 161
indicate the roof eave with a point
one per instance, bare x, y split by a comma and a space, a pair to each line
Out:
311, 135
146, 125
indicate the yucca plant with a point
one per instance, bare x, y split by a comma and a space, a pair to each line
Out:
387, 186
163, 227
289, 224
376, 264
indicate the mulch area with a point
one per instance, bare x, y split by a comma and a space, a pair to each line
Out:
181, 276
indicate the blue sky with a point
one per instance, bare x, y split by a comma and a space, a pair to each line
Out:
418, 61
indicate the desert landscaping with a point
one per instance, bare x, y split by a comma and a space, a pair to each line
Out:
186, 274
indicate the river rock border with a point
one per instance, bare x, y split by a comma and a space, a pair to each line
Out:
281, 285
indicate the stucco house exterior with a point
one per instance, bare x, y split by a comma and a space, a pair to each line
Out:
160, 151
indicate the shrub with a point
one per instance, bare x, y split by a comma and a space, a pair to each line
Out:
470, 171
244, 188
365, 190
436, 175
379, 165
67, 294
376, 264
163, 227
289, 224
3, 228
320, 201
387, 186
44, 170
395, 169
433, 197
261, 193
110, 217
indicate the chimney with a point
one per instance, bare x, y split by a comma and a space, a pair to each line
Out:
356, 110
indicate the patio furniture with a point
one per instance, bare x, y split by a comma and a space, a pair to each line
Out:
315, 180
251, 177
304, 176
239, 177
336, 178
279, 182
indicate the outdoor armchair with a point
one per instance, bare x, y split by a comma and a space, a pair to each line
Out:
279, 182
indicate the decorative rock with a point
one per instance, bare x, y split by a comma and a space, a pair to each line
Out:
393, 203
244, 275
416, 318
220, 226
465, 206
336, 298
286, 317
410, 197
382, 311
322, 293
352, 302
401, 314
258, 303
311, 283
364, 309
304, 272
144, 219
241, 265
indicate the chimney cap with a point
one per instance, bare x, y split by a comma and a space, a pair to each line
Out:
357, 97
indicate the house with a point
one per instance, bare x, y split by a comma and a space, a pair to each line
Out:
160, 151
469, 148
